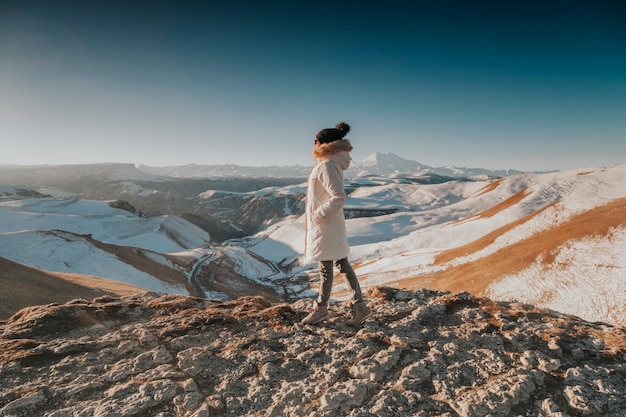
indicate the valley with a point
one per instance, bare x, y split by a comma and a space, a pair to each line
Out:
225, 237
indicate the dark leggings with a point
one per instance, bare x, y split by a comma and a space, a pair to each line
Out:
326, 284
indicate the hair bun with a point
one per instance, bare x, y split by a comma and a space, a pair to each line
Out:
343, 127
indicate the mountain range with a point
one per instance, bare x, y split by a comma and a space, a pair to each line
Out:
379, 163
552, 239
126, 292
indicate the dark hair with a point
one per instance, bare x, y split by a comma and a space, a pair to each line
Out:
331, 135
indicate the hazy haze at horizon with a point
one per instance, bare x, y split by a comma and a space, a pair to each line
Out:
522, 85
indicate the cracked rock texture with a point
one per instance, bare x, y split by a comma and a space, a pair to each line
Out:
423, 353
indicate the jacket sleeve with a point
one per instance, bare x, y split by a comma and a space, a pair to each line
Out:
331, 179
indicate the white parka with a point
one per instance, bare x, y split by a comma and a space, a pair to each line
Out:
326, 237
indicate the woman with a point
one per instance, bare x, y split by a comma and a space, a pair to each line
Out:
326, 238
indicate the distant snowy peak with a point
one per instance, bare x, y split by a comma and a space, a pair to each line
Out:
388, 158
389, 164
386, 163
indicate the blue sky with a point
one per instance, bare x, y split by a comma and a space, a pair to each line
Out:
527, 85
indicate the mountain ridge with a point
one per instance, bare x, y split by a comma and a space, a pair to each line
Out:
398, 226
378, 163
40, 287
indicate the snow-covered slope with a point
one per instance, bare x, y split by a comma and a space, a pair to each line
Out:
60, 251
93, 238
551, 239
96, 218
440, 229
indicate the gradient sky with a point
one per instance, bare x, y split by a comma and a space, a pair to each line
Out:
527, 85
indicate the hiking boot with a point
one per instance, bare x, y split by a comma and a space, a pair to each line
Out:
360, 312
316, 315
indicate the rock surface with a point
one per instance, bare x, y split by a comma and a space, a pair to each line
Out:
423, 353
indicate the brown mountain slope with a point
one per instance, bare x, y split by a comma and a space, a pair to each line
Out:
22, 286
475, 276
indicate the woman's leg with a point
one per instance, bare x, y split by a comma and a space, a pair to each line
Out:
326, 282
360, 310
345, 268
320, 309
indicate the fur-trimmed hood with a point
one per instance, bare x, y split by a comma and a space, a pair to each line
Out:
328, 150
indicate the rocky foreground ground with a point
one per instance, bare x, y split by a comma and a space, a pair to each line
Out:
423, 353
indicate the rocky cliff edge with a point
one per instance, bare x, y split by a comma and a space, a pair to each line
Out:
423, 353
